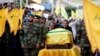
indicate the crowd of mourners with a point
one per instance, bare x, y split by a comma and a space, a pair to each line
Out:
31, 38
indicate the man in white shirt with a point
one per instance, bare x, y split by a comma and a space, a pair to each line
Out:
72, 24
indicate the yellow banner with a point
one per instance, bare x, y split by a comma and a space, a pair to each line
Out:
10, 20
92, 22
64, 12
58, 8
74, 51
2, 21
16, 21
79, 13
13, 19
73, 14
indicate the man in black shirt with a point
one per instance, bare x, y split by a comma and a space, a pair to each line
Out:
65, 25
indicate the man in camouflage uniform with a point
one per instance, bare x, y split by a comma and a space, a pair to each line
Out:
44, 30
33, 36
82, 40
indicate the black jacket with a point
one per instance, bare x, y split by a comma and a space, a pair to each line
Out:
67, 28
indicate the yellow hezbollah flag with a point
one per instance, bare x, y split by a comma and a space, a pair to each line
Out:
64, 12
92, 22
73, 14
13, 19
57, 10
2, 21
10, 20
16, 21
79, 13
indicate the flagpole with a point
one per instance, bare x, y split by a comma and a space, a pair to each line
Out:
60, 7
21, 3
52, 6
26, 2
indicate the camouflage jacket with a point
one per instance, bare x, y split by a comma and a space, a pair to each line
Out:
33, 33
82, 40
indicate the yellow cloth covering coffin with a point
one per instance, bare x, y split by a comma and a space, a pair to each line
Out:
59, 36
60, 52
